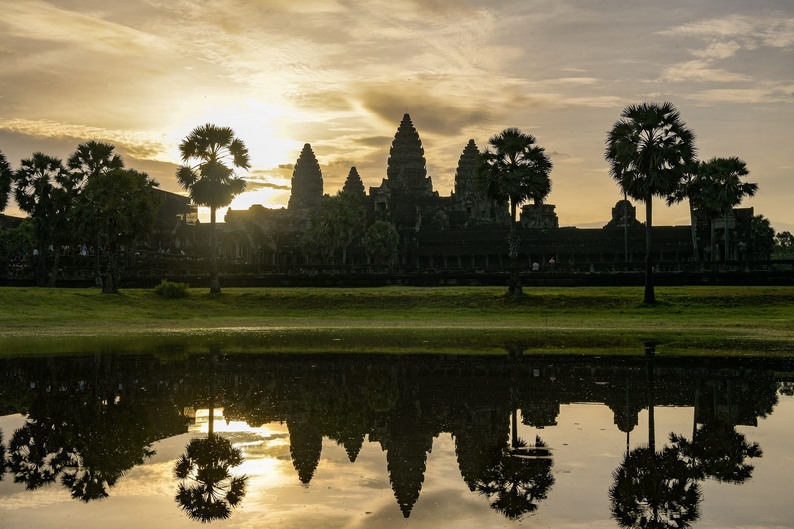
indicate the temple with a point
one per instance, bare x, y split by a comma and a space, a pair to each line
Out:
463, 231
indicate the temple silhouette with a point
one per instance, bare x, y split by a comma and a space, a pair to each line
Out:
463, 231
455, 239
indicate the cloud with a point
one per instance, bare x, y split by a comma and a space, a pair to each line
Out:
140, 144
253, 185
440, 115
701, 71
776, 32
41, 21
725, 37
745, 95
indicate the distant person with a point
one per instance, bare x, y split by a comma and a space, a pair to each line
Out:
551, 264
535, 267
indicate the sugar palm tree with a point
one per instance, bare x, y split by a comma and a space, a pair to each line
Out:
515, 171
691, 190
210, 154
94, 158
727, 173
649, 149
35, 184
90, 160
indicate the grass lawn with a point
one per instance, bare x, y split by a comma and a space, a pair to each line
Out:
688, 320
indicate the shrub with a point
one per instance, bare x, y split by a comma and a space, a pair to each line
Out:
170, 290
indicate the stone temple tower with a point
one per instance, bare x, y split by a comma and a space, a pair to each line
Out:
466, 197
307, 181
407, 172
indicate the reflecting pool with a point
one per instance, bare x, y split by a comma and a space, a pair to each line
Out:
315, 440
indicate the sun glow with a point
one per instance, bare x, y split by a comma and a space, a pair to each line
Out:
263, 127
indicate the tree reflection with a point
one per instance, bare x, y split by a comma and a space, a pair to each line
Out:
519, 478
207, 490
88, 442
2, 456
718, 451
650, 488
654, 490
36, 454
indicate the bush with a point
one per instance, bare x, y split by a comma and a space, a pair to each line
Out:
171, 290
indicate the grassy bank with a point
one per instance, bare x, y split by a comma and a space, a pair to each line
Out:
688, 320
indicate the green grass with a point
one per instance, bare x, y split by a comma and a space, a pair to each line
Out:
687, 320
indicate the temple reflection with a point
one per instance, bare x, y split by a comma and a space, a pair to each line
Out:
89, 420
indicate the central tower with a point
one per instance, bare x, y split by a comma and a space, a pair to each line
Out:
406, 171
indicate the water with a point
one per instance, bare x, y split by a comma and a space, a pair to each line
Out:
395, 441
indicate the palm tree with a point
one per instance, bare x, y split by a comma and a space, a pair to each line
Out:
35, 183
691, 190
90, 160
5, 181
726, 173
649, 149
210, 154
94, 158
516, 170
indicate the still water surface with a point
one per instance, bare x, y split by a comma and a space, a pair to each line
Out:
395, 441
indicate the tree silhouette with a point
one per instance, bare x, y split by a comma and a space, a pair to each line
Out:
690, 189
727, 188
88, 161
6, 174
516, 170
210, 154
118, 207
333, 224
39, 186
382, 242
649, 150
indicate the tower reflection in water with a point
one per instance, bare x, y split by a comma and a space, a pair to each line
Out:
91, 419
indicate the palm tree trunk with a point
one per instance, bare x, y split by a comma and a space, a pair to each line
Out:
211, 411
650, 352
42, 263
694, 233
726, 252
626, 229
215, 285
514, 283
55, 259
650, 296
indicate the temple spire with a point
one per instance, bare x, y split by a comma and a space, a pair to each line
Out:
354, 186
407, 169
467, 167
307, 181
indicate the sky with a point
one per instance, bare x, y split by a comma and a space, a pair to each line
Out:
340, 75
